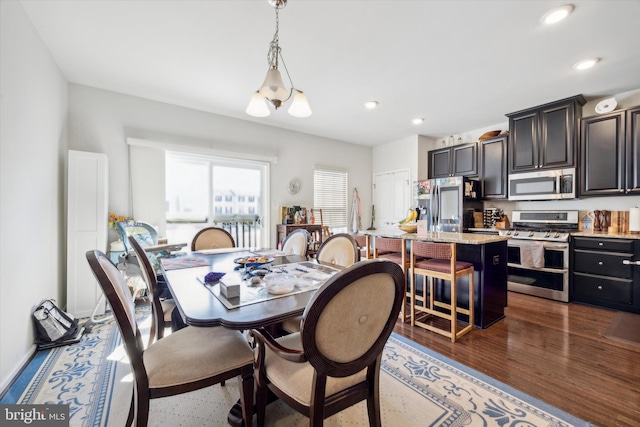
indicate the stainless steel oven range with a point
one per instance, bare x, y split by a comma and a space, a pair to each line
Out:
538, 252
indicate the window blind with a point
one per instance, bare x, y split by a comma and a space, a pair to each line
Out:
330, 195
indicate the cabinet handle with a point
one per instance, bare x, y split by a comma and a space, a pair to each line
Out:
600, 263
627, 262
600, 243
599, 287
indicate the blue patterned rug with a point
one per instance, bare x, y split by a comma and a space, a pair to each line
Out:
418, 388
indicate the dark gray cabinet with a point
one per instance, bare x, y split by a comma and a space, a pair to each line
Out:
493, 168
545, 137
459, 160
605, 272
610, 154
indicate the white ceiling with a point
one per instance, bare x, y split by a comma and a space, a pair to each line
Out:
462, 65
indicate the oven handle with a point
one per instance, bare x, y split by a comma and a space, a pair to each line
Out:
546, 245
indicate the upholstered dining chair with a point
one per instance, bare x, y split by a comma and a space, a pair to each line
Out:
339, 249
438, 261
212, 238
186, 360
334, 361
161, 308
296, 243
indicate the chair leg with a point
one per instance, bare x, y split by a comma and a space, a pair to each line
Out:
261, 404
246, 396
142, 410
131, 409
373, 401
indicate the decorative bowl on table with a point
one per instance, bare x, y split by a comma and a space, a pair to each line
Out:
279, 283
409, 227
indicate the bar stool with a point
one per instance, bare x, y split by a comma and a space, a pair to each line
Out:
438, 261
363, 245
395, 249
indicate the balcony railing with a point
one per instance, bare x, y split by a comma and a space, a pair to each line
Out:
245, 229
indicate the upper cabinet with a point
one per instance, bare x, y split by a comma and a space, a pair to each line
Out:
545, 137
493, 168
458, 160
610, 154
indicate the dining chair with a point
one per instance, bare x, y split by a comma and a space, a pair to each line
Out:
186, 360
334, 361
212, 238
438, 261
395, 249
339, 249
296, 243
161, 308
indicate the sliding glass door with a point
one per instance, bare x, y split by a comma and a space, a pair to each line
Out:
204, 191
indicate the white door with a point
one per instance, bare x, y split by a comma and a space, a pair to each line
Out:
87, 213
391, 196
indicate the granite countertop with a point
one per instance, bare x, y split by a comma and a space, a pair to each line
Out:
591, 233
440, 237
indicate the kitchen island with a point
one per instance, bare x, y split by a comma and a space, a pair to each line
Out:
487, 253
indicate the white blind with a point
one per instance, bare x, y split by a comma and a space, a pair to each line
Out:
330, 195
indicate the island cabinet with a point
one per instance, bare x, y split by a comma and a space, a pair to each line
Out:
605, 272
545, 137
610, 154
458, 160
493, 168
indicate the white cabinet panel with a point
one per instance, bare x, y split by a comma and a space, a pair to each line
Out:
391, 195
87, 213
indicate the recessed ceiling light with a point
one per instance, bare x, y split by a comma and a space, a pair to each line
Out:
417, 120
371, 104
586, 63
556, 15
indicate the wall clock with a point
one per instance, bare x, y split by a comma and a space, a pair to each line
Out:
294, 186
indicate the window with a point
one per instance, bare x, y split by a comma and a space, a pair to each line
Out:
202, 191
330, 195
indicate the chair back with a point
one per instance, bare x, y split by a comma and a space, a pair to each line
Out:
149, 277
340, 249
348, 320
212, 238
119, 296
432, 250
296, 243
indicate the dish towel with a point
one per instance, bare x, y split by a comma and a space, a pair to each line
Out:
532, 255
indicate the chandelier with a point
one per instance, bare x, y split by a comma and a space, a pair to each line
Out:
273, 89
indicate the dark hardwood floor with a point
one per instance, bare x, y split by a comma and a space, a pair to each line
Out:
554, 352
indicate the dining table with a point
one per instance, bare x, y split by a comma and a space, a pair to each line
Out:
201, 304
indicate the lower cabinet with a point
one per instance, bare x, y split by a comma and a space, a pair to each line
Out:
605, 272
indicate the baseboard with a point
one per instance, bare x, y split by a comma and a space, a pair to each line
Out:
13, 376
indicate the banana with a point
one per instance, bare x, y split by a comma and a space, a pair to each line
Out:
413, 214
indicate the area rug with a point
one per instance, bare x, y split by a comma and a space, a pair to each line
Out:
418, 388
624, 327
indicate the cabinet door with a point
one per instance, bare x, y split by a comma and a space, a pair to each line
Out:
493, 168
440, 163
633, 150
557, 137
602, 155
391, 198
465, 160
523, 131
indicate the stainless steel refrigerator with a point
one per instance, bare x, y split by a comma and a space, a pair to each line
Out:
448, 204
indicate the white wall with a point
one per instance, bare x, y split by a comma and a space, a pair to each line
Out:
101, 121
33, 144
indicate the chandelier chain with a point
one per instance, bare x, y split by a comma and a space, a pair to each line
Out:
274, 48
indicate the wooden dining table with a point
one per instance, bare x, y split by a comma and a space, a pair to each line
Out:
198, 304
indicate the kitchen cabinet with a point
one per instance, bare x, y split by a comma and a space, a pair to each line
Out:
604, 272
391, 197
458, 160
610, 154
493, 168
545, 137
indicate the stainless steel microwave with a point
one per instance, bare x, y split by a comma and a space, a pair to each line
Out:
552, 184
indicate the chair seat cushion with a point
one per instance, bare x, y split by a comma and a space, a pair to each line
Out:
292, 325
392, 256
295, 379
441, 265
195, 353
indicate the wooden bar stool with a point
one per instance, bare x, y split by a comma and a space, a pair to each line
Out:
395, 249
438, 261
363, 245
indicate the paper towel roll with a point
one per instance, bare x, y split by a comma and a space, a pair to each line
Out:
634, 219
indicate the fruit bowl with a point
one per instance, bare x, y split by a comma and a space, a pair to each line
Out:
409, 227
